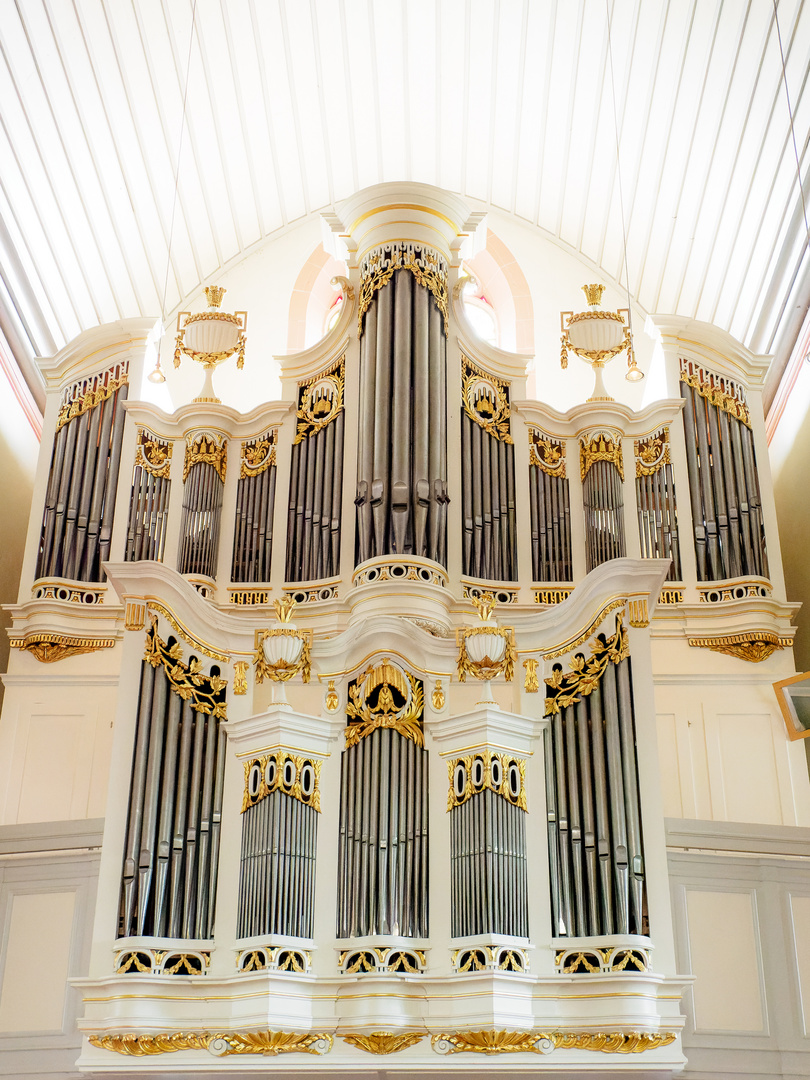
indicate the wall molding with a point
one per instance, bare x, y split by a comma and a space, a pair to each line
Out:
734, 836
51, 836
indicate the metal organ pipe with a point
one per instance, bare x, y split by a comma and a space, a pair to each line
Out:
724, 488
402, 454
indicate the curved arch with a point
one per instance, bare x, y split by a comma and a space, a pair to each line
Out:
311, 299
504, 284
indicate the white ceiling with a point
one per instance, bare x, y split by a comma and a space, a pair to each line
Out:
295, 104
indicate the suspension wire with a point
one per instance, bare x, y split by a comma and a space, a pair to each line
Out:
619, 169
792, 128
177, 167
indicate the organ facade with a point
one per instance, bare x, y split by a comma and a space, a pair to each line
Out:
381, 663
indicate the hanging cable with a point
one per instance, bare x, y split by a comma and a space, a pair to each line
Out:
792, 129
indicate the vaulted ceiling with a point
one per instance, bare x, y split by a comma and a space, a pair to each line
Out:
292, 105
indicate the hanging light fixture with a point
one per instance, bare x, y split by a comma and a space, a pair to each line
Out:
597, 336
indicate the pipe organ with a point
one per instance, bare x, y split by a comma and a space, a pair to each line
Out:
402, 829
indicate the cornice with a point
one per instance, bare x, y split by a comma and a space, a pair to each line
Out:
221, 417
708, 344
93, 350
597, 414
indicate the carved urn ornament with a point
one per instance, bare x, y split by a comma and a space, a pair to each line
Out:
597, 336
283, 651
486, 650
211, 337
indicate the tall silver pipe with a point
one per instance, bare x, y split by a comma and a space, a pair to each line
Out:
135, 822
631, 797
421, 419
437, 441
618, 823
189, 883
365, 436
58, 465
164, 837
206, 811
718, 484
337, 493
588, 820
146, 856
180, 815
216, 820
55, 561
380, 484
602, 813
322, 541
695, 490
386, 772
574, 821
116, 439
707, 493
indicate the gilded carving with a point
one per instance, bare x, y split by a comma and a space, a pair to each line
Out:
320, 400
485, 400
271, 1043
282, 670
428, 267
502, 774
206, 448
437, 697
258, 454
546, 453
521, 1042
154, 454
583, 678
135, 615
185, 634
563, 649
88, 393
332, 701
206, 693
48, 647
754, 646
637, 614
601, 446
652, 453
487, 1042
269, 773
710, 387
530, 683
384, 1042
671, 596
240, 670
486, 668
385, 696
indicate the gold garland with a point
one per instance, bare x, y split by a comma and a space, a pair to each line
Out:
406, 720
502, 789
260, 1042
652, 453
601, 446
206, 693
546, 453
308, 422
258, 454
154, 454
185, 633
719, 397
585, 674
498, 424
375, 274
89, 400
522, 1042
384, 1042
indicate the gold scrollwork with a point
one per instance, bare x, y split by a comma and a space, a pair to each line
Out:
715, 394
206, 448
98, 391
428, 267
546, 453
601, 446
320, 399
485, 399
278, 759
530, 683
582, 680
437, 697
754, 646
48, 647
258, 454
538, 1042
385, 696
242, 1042
206, 693
500, 784
652, 453
154, 454
600, 618
384, 1042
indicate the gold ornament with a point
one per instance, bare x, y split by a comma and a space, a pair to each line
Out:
530, 683
637, 614
206, 448
708, 386
332, 699
437, 697
652, 453
187, 636
546, 453
320, 400
485, 400
755, 646
48, 648
271, 1043
521, 1042
88, 393
279, 759
582, 680
240, 669
205, 693
496, 780
385, 696
384, 1042
428, 267
601, 446
258, 454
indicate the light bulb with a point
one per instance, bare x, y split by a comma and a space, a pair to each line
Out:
635, 374
156, 376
